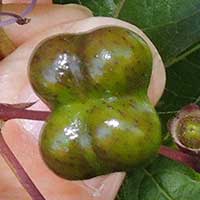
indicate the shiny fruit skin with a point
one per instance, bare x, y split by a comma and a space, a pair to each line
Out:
96, 84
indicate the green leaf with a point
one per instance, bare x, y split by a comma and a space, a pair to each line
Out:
183, 87
172, 25
164, 179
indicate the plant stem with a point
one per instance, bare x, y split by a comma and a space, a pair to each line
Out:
189, 160
19, 171
8, 111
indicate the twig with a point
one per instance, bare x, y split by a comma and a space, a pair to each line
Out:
9, 111
189, 160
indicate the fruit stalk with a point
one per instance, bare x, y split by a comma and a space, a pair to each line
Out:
186, 159
9, 111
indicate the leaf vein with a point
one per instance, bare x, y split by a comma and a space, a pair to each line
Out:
172, 22
178, 95
119, 8
165, 194
184, 54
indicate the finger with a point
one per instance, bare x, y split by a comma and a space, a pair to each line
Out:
43, 17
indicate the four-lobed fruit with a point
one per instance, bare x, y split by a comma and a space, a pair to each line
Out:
96, 84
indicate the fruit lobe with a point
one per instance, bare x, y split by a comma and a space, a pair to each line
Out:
96, 84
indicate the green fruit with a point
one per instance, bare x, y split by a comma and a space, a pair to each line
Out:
96, 84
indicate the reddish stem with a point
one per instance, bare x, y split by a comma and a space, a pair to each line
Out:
189, 160
8, 111
19, 171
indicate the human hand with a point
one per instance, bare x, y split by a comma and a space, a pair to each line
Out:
22, 135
